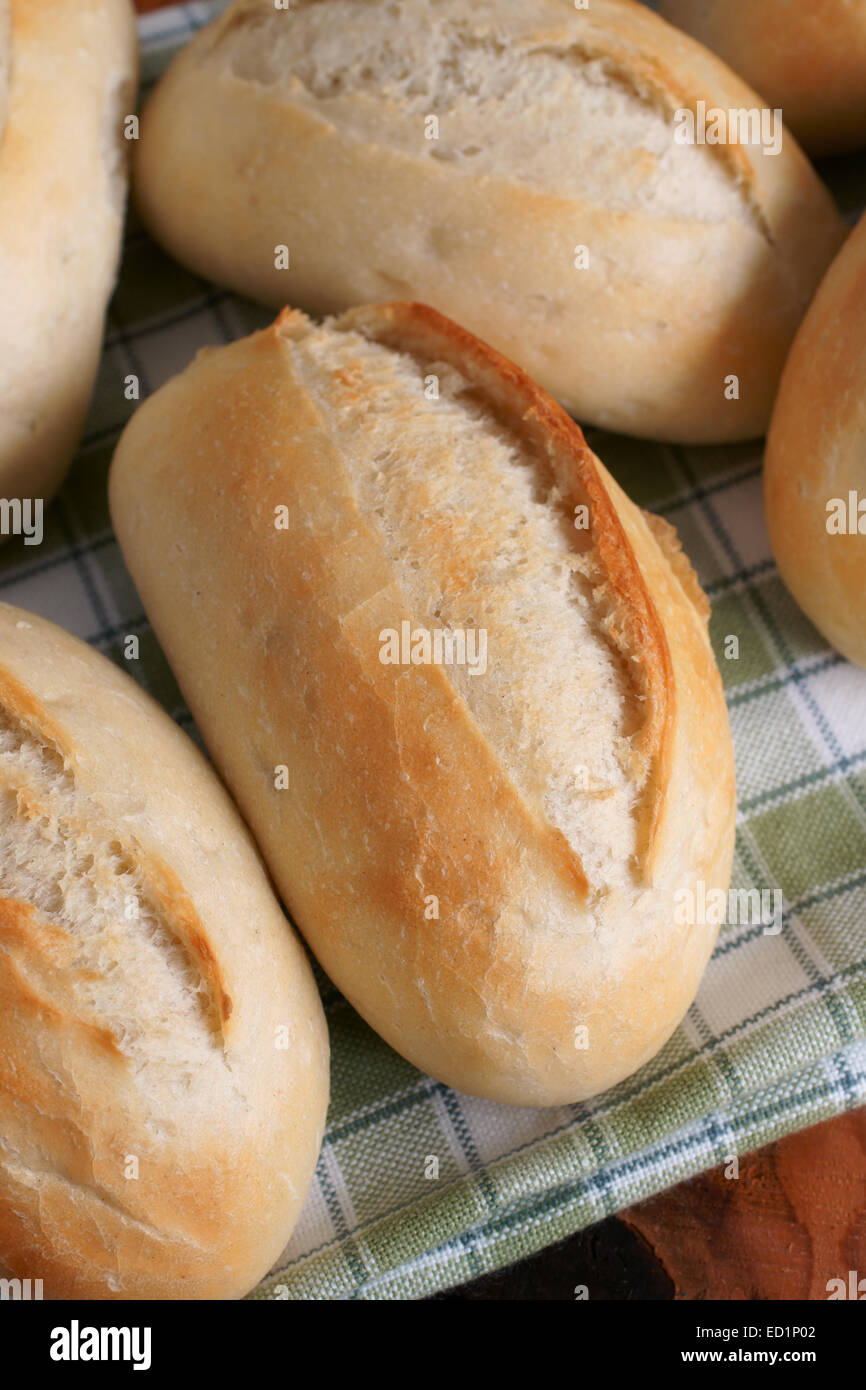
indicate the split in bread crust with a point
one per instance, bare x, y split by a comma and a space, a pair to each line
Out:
516, 165
156, 1141
483, 862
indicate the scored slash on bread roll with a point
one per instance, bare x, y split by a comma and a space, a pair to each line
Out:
514, 163
484, 858
67, 78
815, 469
806, 56
163, 1052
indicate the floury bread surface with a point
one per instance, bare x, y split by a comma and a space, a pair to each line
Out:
67, 79
308, 129
163, 1052
485, 861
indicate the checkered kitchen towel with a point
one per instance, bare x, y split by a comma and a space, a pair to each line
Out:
777, 1038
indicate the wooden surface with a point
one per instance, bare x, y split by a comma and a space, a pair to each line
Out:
795, 1218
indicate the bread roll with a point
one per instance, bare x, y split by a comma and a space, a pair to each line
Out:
806, 56
483, 852
307, 129
67, 79
815, 473
157, 1133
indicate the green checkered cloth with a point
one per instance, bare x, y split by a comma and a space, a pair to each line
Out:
777, 1038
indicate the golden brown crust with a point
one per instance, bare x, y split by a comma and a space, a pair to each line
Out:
669, 541
412, 802
72, 78
5, 55
397, 796
641, 340
815, 451
155, 1142
807, 57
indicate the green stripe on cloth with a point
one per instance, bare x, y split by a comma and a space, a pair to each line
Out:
419, 1188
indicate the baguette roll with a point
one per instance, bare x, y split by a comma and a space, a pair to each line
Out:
806, 56
67, 78
515, 164
482, 841
815, 470
156, 1140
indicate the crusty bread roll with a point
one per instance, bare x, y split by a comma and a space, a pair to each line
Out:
806, 56
307, 129
157, 1132
483, 856
67, 79
815, 472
